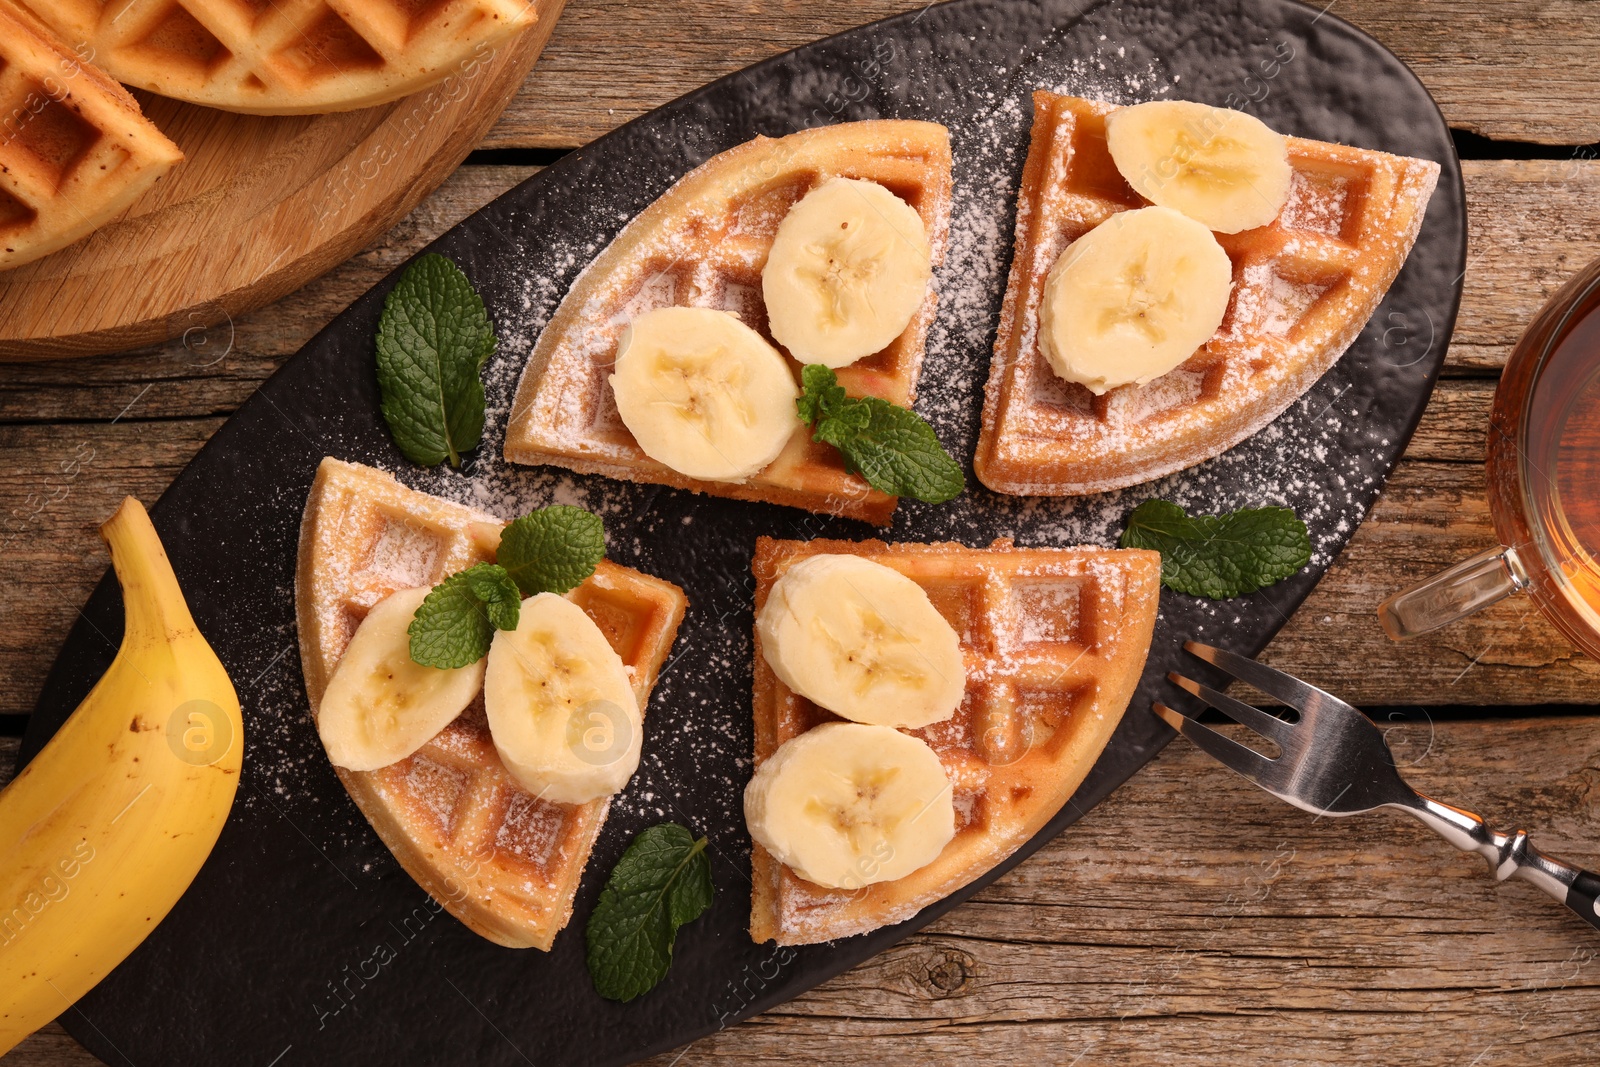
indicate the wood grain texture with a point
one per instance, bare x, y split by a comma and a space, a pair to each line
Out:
1145, 934
1521, 70
260, 206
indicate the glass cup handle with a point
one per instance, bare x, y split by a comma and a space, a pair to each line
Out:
1468, 587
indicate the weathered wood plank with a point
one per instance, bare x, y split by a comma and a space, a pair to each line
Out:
1430, 515
1233, 930
1534, 84
1530, 226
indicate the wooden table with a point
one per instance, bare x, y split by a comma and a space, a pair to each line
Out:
1163, 927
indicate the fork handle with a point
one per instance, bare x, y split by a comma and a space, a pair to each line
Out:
1512, 855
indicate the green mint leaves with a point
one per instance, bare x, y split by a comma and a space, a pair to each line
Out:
891, 447
553, 549
550, 550
433, 338
661, 882
1220, 556
456, 622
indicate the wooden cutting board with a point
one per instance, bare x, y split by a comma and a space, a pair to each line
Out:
260, 206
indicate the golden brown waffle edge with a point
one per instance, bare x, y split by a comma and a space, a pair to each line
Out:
75, 150
500, 860
289, 57
1304, 286
1055, 641
703, 243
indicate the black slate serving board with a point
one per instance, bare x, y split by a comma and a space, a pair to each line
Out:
303, 942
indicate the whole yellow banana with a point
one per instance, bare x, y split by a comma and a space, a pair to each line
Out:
105, 829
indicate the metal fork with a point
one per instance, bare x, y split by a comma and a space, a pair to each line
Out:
1334, 761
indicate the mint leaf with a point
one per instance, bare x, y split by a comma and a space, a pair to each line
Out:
662, 882
1220, 556
456, 621
892, 447
502, 601
433, 338
822, 393
553, 549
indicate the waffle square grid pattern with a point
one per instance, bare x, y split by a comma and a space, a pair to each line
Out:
74, 148
503, 861
1304, 286
284, 56
1054, 640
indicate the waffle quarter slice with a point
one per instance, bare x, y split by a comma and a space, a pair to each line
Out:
286, 57
1054, 641
1304, 286
502, 861
75, 150
703, 243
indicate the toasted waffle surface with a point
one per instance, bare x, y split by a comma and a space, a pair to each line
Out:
75, 150
286, 57
1304, 286
703, 243
502, 861
1054, 640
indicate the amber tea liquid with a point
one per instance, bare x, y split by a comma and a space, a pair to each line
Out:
1544, 459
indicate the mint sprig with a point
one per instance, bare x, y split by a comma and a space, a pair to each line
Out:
433, 338
455, 624
553, 549
662, 882
1220, 556
892, 447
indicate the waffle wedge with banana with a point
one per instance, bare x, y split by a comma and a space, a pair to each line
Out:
455, 769
921, 710
1181, 275
675, 358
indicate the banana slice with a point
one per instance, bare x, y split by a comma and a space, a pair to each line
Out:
1222, 168
561, 709
863, 641
847, 271
380, 705
704, 393
847, 805
1133, 298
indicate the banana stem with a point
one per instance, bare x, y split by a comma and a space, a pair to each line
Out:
153, 603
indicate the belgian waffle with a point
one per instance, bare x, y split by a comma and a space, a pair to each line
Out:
704, 244
1054, 641
75, 150
499, 859
1304, 286
286, 57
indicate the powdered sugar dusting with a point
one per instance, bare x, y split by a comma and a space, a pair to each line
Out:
1315, 458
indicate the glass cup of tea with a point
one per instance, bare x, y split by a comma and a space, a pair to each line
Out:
1544, 484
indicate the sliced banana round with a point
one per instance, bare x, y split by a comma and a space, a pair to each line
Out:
561, 709
863, 641
704, 393
1133, 298
380, 705
845, 805
848, 269
1222, 168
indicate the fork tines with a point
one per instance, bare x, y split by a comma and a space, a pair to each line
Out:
1263, 770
